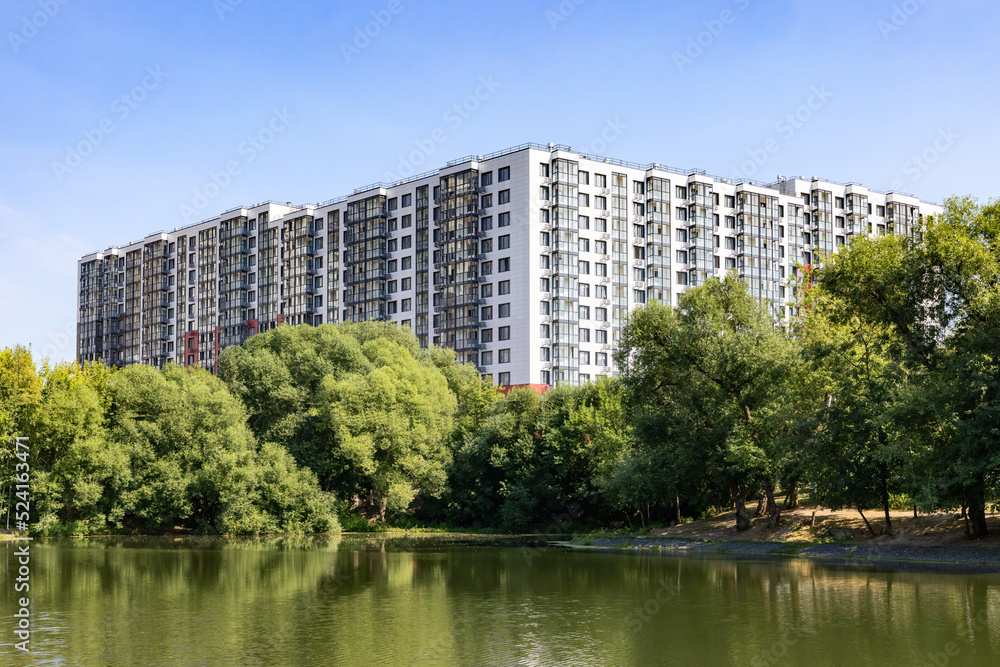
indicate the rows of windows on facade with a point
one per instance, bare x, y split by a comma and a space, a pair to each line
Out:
525, 262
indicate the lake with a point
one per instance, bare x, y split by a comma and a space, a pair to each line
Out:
443, 600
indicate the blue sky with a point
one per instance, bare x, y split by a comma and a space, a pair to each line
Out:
118, 113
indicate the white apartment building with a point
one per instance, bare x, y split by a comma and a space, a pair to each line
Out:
524, 261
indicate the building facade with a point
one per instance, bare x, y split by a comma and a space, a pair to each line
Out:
525, 261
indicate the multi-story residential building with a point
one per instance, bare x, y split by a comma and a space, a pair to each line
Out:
525, 261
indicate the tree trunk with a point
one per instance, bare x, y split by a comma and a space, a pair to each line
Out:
885, 502
773, 513
678, 510
975, 523
870, 529
792, 498
743, 521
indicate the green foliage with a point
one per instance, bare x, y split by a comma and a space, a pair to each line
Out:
704, 381
360, 405
139, 450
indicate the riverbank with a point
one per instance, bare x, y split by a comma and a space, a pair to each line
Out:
821, 533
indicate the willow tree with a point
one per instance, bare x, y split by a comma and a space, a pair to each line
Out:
704, 381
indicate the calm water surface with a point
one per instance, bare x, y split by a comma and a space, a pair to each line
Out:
441, 601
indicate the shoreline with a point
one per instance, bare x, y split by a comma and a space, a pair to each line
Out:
898, 556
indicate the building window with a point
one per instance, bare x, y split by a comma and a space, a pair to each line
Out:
543, 193
584, 290
544, 308
543, 238
504, 242
730, 263
543, 262
487, 201
486, 179
486, 246
545, 354
584, 222
486, 291
486, 269
600, 269
584, 200
503, 220
503, 197
486, 336
601, 314
504, 287
543, 169
584, 312
503, 333
545, 377
681, 192
584, 245
602, 337
543, 331
504, 310
505, 356
682, 278
584, 267
406, 263
503, 379
584, 358
503, 266
601, 359
600, 180
601, 203
486, 358
405, 307
503, 174
584, 335
487, 313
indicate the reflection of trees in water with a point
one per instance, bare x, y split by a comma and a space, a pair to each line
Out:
336, 600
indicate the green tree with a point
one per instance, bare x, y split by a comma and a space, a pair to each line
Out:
704, 379
937, 290
359, 404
